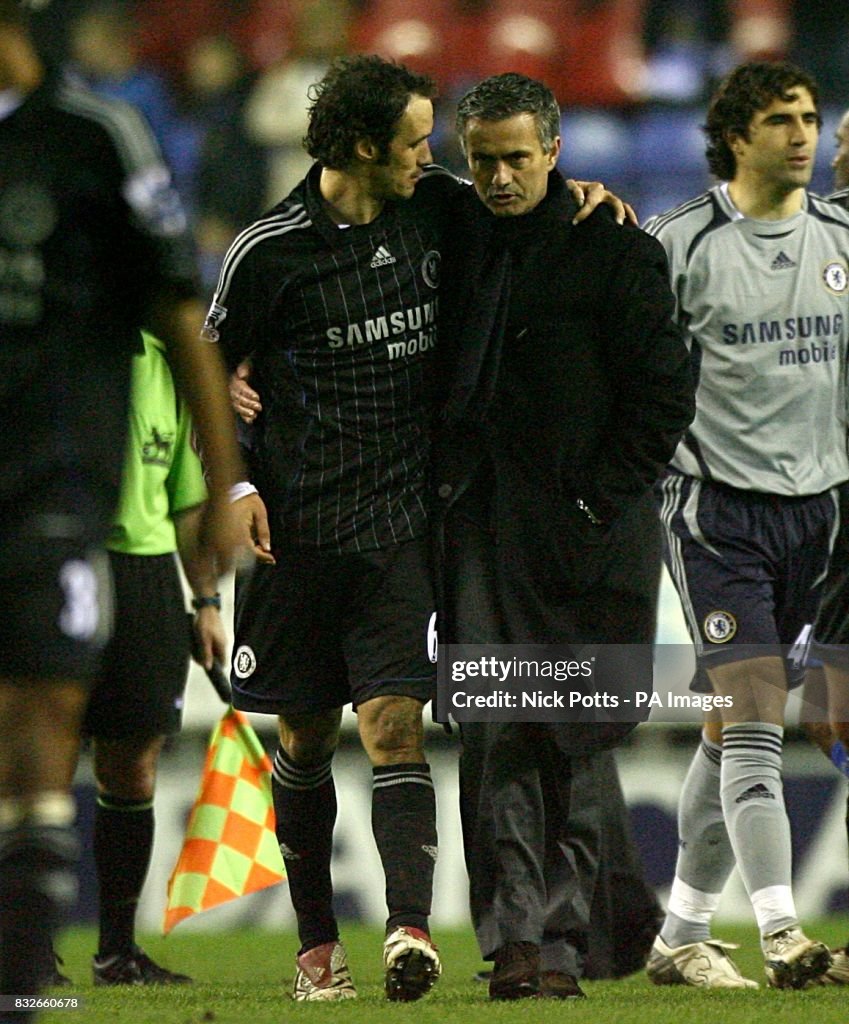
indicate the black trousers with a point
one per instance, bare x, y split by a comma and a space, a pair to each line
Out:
543, 826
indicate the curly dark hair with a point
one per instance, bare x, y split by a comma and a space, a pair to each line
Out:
502, 96
359, 97
749, 88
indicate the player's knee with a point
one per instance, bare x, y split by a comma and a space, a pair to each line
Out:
310, 739
126, 769
391, 729
127, 782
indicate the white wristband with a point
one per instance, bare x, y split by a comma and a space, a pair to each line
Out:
241, 490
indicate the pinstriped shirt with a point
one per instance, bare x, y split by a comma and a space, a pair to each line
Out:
341, 324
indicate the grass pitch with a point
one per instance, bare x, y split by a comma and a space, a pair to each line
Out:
245, 978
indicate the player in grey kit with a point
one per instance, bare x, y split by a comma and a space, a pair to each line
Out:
759, 269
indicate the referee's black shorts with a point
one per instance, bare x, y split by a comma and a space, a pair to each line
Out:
317, 631
140, 690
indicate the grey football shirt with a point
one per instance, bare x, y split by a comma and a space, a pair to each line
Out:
765, 308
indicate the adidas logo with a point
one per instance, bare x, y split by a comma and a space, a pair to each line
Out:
757, 792
782, 262
382, 257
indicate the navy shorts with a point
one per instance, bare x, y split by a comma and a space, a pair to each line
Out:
55, 600
748, 567
831, 637
317, 631
139, 692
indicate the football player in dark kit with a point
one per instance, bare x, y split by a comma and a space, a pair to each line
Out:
333, 294
91, 247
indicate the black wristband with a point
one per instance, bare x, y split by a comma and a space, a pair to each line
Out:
206, 602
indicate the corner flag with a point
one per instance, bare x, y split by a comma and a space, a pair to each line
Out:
230, 847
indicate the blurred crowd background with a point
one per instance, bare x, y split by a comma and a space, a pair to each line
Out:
224, 82
224, 86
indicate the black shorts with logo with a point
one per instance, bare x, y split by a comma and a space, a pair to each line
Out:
317, 631
748, 567
139, 692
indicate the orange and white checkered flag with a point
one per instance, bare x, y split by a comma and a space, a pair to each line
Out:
230, 847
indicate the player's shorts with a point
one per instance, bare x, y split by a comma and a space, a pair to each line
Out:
140, 690
317, 631
748, 567
831, 636
55, 600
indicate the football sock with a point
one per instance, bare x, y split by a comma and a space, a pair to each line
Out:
753, 803
38, 885
305, 808
123, 841
705, 858
403, 820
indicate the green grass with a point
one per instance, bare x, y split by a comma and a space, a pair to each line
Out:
244, 978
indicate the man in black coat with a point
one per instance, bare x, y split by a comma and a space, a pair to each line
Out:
567, 390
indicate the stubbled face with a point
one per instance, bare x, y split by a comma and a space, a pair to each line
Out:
508, 164
409, 152
840, 163
781, 144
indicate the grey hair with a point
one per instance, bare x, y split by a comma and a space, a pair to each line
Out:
503, 96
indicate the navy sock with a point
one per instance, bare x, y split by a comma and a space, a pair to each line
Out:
123, 841
403, 820
305, 808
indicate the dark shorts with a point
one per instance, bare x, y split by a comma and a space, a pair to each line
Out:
748, 567
55, 600
318, 631
831, 643
140, 690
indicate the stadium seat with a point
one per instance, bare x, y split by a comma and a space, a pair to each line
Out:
590, 54
522, 36
761, 29
414, 32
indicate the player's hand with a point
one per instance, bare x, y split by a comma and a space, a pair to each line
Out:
588, 194
210, 638
255, 532
243, 398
